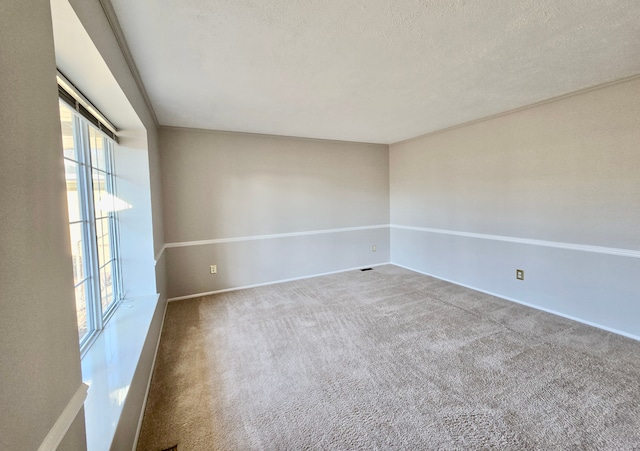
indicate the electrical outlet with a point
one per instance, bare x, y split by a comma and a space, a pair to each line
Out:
213, 269
373, 248
519, 274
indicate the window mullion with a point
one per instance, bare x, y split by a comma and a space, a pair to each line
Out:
85, 221
116, 214
94, 306
114, 234
86, 193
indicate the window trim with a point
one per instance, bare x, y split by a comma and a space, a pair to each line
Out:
96, 318
77, 101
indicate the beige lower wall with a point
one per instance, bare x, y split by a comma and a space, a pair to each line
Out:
221, 185
565, 171
253, 262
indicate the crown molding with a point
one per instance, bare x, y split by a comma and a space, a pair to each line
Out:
114, 23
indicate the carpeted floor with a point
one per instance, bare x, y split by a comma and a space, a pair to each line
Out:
386, 359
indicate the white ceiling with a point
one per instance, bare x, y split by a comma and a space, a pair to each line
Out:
370, 70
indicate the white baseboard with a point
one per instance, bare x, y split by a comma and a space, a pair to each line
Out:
517, 301
146, 393
65, 420
208, 293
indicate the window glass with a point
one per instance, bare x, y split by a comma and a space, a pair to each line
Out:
106, 284
102, 235
96, 141
100, 195
81, 311
93, 220
73, 195
66, 123
77, 252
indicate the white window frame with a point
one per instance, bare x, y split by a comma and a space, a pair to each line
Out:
96, 319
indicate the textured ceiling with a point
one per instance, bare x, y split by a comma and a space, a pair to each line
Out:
370, 70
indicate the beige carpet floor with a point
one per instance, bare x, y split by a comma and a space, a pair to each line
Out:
386, 359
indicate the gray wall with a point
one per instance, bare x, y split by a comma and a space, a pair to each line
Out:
96, 23
39, 355
40, 362
221, 185
565, 172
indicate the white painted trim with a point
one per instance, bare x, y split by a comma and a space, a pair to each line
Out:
537, 307
510, 239
146, 393
159, 254
269, 237
114, 24
208, 293
64, 421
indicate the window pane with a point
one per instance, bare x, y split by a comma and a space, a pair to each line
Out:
92, 202
66, 123
111, 169
96, 142
102, 236
77, 252
106, 287
73, 195
102, 200
81, 310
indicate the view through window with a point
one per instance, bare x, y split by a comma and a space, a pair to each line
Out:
93, 220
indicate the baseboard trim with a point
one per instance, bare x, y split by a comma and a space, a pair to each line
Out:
274, 282
65, 420
537, 307
270, 237
146, 393
509, 239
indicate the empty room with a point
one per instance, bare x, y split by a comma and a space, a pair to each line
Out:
233, 225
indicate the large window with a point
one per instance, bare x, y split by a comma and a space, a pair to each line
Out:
93, 220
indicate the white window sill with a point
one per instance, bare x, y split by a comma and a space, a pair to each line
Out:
108, 367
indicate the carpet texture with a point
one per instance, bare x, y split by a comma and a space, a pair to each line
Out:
386, 359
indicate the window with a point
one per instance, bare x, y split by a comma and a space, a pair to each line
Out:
93, 220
